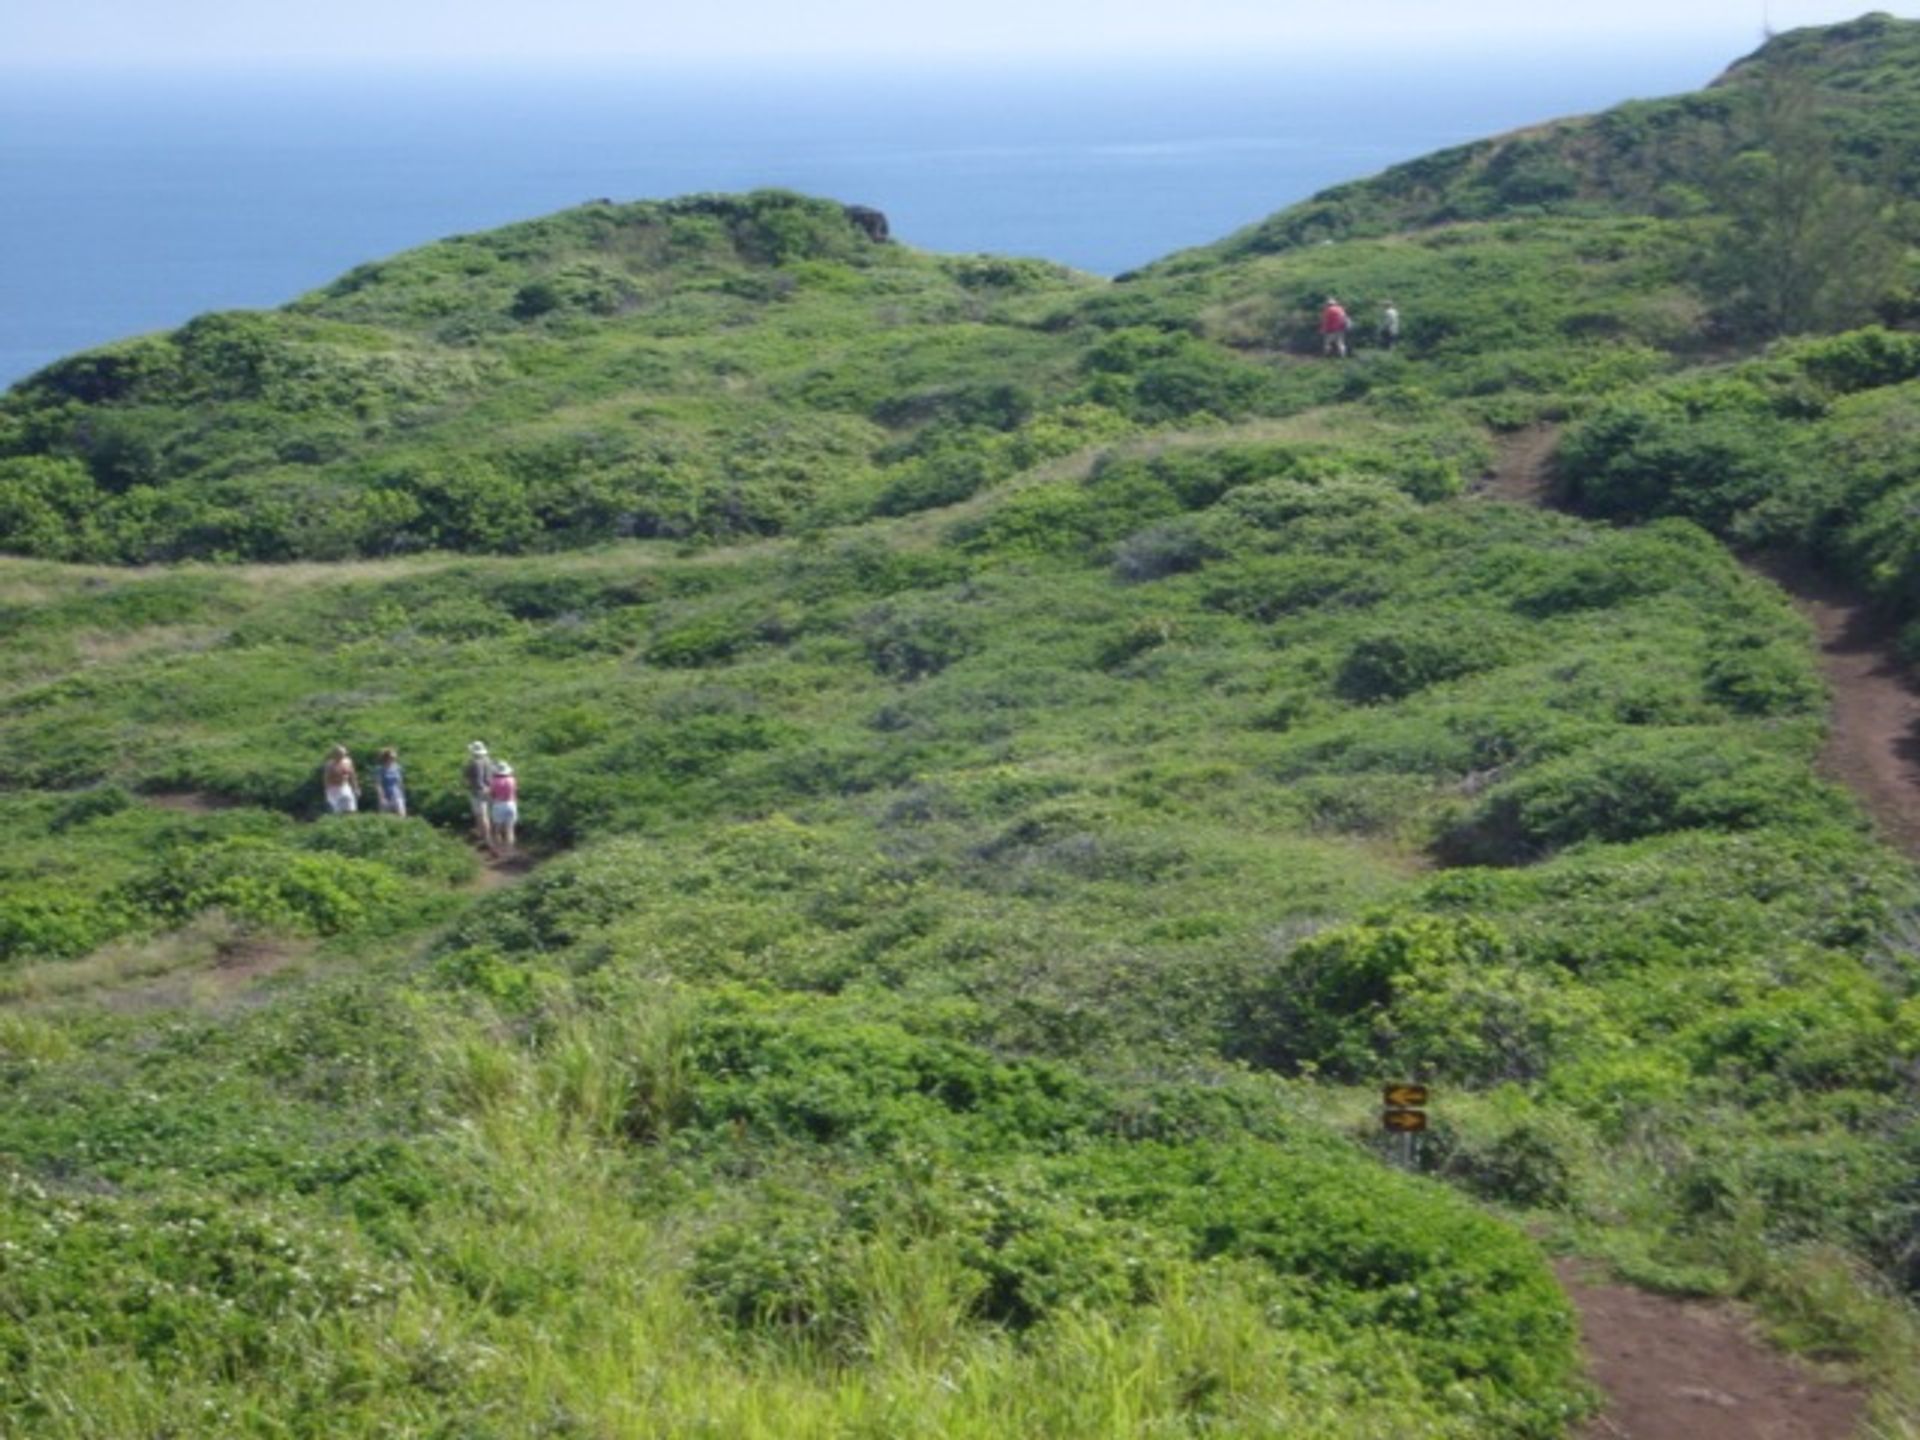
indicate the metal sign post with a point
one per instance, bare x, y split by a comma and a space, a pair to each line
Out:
1405, 1119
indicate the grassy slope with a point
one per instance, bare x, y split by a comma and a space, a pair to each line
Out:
982, 919
1646, 157
716, 366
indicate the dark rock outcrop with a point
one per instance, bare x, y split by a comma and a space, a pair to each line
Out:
869, 222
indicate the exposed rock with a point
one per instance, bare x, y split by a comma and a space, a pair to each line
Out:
870, 222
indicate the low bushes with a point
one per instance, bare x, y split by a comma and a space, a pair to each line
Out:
1803, 451
1638, 785
1433, 997
1424, 650
268, 886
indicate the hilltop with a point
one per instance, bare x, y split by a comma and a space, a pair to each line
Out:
1650, 157
1011, 763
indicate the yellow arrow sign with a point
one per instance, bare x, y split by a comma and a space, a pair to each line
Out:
1404, 1122
1401, 1096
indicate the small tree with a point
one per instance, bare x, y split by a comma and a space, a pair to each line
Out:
1801, 246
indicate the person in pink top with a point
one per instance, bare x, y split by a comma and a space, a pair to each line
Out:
1334, 325
503, 796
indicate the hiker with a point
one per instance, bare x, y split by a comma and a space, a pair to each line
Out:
1333, 329
504, 794
478, 775
1389, 326
392, 783
338, 782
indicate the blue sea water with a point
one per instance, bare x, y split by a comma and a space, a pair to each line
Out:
135, 201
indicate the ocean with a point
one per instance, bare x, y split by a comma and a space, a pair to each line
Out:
136, 201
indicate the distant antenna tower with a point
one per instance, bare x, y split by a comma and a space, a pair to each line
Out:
1766, 19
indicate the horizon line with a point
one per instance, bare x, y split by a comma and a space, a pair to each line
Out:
1421, 49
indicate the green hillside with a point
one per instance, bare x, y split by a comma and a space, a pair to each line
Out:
1011, 763
1646, 157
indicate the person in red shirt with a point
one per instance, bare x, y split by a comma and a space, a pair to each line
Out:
1334, 325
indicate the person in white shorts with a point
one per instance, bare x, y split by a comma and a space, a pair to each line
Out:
504, 795
340, 783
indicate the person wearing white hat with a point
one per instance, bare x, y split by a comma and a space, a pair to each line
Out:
478, 775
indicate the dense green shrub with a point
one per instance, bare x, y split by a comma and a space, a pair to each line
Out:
407, 848
90, 805
1470, 1300
1637, 458
268, 885
1858, 360
1605, 571
1158, 375
1764, 679
1423, 650
55, 924
1427, 997
910, 640
1272, 587
1636, 785
710, 640
47, 508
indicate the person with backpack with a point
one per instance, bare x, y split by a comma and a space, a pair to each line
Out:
504, 815
392, 784
477, 774
1334, 325
339, 783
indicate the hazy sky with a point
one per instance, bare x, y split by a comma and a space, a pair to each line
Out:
180, 33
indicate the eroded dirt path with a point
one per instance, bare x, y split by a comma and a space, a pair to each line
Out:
1690, 1370
497, 872
1873, 732
1523, 467
1672, 1369
1873, 737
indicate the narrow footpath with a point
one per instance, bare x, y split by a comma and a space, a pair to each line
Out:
1873, 738
1672, 1369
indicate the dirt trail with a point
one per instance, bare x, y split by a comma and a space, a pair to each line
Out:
1673, 1369
1873, 738
230, 979
497, 872
1873, 733
1523, 470
189, 802
1690, 1370
187, 969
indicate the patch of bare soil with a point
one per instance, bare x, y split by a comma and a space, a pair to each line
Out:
237, 965
1873, 736
1692, 1370
189, 802
497, 872
1523, 469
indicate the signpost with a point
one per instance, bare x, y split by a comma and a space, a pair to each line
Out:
1404, 1118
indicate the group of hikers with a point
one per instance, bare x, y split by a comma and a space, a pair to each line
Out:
492, 790
491, 787
1336, 328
